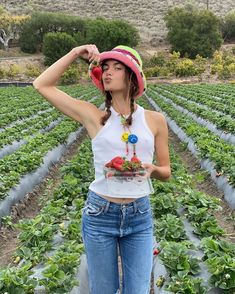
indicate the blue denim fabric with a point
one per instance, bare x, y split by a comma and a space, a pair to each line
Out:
108, 227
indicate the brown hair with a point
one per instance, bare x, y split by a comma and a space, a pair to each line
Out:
133, 91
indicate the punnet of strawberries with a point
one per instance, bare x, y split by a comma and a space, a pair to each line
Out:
124, 165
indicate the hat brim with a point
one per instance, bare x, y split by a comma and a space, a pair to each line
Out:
128, 61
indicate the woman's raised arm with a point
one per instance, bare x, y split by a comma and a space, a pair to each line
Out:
45, 84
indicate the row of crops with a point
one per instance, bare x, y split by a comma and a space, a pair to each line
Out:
33, 136
193, 258
205, 122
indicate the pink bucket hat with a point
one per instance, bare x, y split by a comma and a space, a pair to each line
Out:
127, 56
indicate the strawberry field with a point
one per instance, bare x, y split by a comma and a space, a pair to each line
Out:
193, 253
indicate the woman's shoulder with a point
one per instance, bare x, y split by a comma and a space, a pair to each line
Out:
155, 116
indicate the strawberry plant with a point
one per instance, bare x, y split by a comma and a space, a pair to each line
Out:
208, 227
17, 280
164, 204
59, 274
176, 259
185, 284
222, 269
212, 247
170, 228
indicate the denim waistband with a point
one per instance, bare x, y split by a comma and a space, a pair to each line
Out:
92, 196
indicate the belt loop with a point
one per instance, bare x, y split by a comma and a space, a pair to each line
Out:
135, 206
106, 206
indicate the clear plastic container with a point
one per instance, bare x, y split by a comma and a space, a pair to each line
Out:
128, 183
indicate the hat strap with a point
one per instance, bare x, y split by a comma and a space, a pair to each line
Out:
127, 53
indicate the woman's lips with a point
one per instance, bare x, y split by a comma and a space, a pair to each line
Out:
107, 80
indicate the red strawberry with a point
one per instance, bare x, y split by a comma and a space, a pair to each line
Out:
97, 72
117, 166
156, 251
135, 159
117, 160
109, 164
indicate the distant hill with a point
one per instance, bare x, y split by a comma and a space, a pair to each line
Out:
146, 15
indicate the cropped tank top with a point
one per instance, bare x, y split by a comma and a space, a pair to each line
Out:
107, 144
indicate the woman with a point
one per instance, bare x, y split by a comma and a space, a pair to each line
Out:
115, 219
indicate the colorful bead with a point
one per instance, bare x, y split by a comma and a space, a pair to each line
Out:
132, 139
125, 137
123, 121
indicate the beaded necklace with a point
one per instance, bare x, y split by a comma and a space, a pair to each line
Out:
127, 136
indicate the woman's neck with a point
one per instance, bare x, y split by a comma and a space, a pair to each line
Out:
122, 106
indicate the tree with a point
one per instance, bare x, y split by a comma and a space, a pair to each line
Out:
193, 32
10, 28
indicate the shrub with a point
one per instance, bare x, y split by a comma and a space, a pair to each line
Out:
185, 68
107, 34
193, 32
13, 71
40, 23
2, 73
228, 26
200, 64
55, 45
71, 75
223, 65
157, 59
32, 70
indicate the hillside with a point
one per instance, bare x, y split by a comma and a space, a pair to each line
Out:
147, 16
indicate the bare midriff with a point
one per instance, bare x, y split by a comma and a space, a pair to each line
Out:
118, 200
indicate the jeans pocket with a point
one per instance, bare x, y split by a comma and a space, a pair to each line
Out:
92, 209
144, 208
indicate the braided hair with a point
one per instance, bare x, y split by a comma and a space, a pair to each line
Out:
133, 91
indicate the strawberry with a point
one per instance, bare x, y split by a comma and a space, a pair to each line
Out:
97, 72
117, 160
108, 164
135, 159
156, 251
118, 166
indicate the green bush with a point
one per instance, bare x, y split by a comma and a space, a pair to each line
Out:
13, 71
2, 73
228, 26
32, 70
223, 65
185, 68
107, 34
55, 45
193, 32
71, 75
157, 59
40, 23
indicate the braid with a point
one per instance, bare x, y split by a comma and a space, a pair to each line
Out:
129, 119
108, 101
133, 90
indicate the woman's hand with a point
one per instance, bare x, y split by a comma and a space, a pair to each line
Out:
162, 173
88, 52
149, 168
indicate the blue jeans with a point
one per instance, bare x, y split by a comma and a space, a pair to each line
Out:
107, 226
